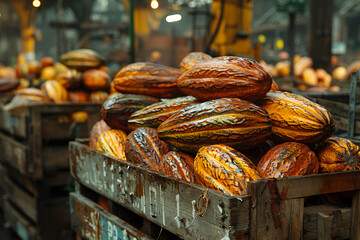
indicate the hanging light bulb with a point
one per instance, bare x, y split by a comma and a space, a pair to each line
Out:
154, 4
36, 3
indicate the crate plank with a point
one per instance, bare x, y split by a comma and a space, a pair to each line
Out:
92, 222
355, 216
334, 225
163, 200
55, 157
21, 199
23, 228
14, 125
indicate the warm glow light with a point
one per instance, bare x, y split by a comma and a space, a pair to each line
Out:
36, 3
154, 4
173, 18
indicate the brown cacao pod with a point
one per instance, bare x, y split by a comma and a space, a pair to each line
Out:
116, 111
55, 91
338, 154
70, 79
82, 59
255, 154
148, 79
112, 142
174, 164
78, 96
144, 147
154, 114
230, 121
221, 77
96, 80
288, 159
193, 58
295, 118
34, 94
224, 169
8, 84
98, 96
98, 128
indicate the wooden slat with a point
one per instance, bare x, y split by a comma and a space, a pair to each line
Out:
165, 201
14, 125
304, 186
14, 153
22, 199
23, 228
55, 156
355, 216
92, 222
334, 225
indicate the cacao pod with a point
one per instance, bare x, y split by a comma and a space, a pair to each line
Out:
78, 96
79, 117
82, 59
8, 84
287, 160
295, 118
154, 114
34, 94
55, 91
116, 111
230, 121
338, 154
174, 164
193, 58
70, 79
112, 142
95, 80
148, 79
143, 147
98, 96
98, 128
224, 169
232, 77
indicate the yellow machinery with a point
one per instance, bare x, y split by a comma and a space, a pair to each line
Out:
231, 29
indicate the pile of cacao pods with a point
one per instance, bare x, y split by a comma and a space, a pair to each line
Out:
218, 122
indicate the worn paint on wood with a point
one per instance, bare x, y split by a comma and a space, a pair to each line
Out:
163, 200
92, 222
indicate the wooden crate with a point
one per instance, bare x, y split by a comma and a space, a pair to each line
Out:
36, 140
274, 208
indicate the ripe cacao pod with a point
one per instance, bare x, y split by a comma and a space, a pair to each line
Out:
98, 96
154, 114
79, 117
193, 58
224, 169
34, 94
82, 59
148, 79
55, 91
116, 111
274, 87
295, 118
112, 142
230, 121
98, 128
143, 147
227, 76
288, 159
174, 164
69, 78
338, 154
78, 96
96, 80
8, 84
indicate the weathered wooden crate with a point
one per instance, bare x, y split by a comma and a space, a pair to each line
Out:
274, 208
36, 140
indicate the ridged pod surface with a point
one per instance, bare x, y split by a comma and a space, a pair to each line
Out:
55, 91
116, 111
224, 169
227, 76
112, 142
288, 159
338, 154
82, 59
193, 58
176, 164
154, 114
144, 147
98, 128
148, 79
230, 121
95, 80
295, 118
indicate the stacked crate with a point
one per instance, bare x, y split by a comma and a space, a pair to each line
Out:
34, 145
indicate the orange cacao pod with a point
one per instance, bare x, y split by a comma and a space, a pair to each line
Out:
144, 147
148, 79
69, 78
98, 128
338, 154
82, 59
78, 96
112, 142
229, 121
95, 80
154, 114
288, 159
295, 118
193, 58
98, 96
224, 169
174, 164
226, 77
55, 91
